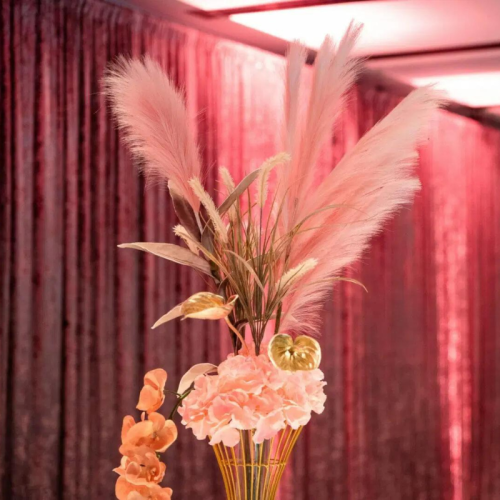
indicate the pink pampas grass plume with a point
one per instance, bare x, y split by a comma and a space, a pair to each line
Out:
296, 59
367, 186
153, 115
335, 70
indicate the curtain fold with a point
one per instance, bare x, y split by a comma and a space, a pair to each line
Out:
413, 367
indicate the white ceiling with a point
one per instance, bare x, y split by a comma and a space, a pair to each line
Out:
390, 28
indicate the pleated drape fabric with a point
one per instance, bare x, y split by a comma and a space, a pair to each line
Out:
413, 366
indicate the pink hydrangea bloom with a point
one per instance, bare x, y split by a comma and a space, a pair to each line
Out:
249, 392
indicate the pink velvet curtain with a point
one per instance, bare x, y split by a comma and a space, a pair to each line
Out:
413, 367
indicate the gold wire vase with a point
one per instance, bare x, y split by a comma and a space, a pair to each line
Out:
253, 471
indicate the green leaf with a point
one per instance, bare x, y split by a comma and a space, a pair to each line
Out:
351, 280
249, 268
185, 213
174, 253
238, 191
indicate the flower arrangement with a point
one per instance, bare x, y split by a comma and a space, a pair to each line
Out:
270, 256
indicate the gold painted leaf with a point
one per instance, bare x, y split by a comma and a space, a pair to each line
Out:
206, 305
202, 305
172, 314
303, 353
238, 191
194, 372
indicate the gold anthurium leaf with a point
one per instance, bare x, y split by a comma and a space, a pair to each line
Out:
172, 314
195, 371
303, 353
206, 305
202, 305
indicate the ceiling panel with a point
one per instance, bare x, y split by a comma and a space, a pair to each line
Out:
389, 26
413, 41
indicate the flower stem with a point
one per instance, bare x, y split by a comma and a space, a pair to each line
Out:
179, 402
277, 323
237, 333
173, 392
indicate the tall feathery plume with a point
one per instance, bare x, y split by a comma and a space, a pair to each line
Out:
293, 124
368, 185
296, 59
265, 172
208, 203
153, 115
335, 70
227, 179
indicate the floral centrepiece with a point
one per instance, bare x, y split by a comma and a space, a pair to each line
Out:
249, 392
270, 257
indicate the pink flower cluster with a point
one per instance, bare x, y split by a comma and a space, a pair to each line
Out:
249, 392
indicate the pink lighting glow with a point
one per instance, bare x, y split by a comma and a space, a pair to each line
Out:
223, 4
383, 22
393, 27
475, 90
389, 26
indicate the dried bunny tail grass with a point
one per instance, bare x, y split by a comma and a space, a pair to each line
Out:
152, 114
180, 231
295, 274
208, 203
265, 171
230, 186
227, 180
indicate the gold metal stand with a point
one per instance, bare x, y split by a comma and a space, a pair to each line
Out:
253, 471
